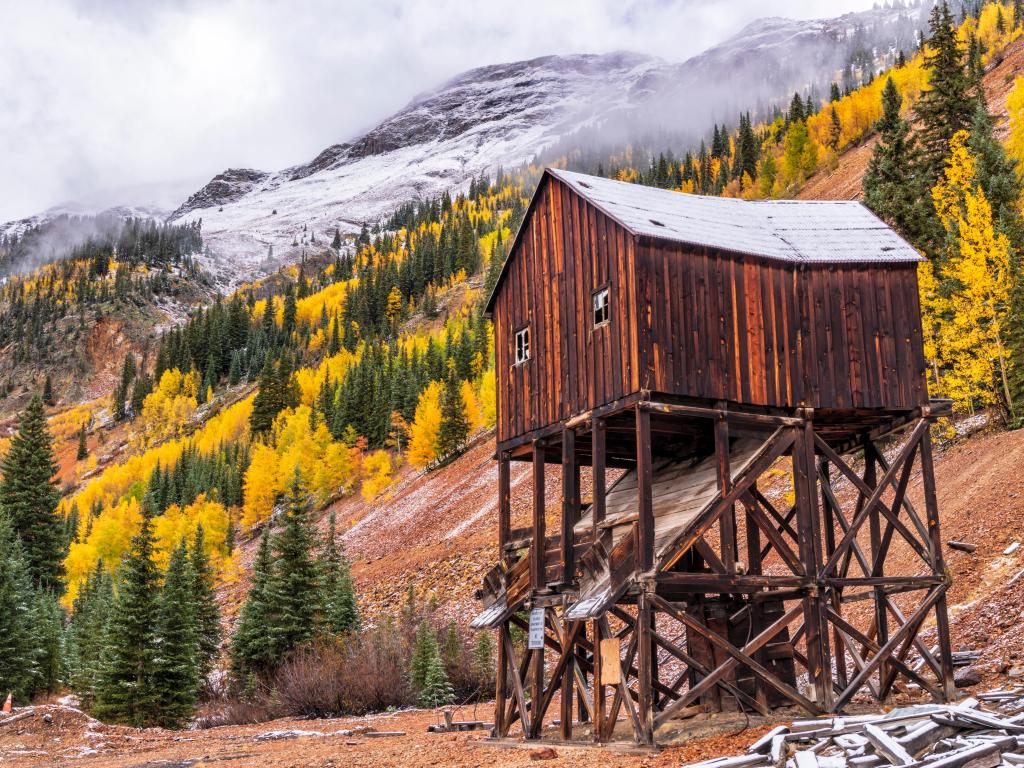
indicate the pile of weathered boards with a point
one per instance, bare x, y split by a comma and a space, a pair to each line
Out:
982, 732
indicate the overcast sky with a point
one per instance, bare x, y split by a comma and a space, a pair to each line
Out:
101, 95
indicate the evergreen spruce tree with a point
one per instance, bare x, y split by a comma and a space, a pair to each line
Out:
483, 660
454, 429
85, 633
424, 651
252, 647
893, 187
206, 611
946, 107
29, 495
124, 692
341, 612
47, 621
17, 660
437, 688
175, 676
83, 446
48, 391
295, 587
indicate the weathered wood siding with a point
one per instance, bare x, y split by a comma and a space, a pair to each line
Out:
748, 330
694, 322
567, 250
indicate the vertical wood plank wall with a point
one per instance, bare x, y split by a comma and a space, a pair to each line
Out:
695, 322
567, 250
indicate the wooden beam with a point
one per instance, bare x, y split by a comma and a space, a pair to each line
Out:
645, 506
504, 504
938, 565
647, 671
600, 492
819, 668
693, 411
537, 578
570, 501
599, 705
727, 522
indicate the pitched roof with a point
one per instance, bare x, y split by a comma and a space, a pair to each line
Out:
801, 231
796, 231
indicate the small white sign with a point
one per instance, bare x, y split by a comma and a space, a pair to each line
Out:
536, 639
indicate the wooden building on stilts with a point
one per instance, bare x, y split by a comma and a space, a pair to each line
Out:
695, 353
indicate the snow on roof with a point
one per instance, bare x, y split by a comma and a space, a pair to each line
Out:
801, 231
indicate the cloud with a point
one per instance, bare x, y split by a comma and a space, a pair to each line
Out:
114, 94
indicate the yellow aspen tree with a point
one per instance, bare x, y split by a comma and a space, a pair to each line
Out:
377, 473
425, 427
1015, 110
933, 309
974, 335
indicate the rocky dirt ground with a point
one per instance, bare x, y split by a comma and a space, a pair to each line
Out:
60, 737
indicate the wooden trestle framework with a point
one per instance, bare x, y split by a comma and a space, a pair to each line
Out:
746, 602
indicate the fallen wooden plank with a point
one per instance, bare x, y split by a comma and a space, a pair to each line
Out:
805, 758
764, 744
887, 746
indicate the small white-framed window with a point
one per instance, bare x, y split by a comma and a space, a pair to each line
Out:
601, 306
522, 337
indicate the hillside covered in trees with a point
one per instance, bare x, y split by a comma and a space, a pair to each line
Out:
338, 377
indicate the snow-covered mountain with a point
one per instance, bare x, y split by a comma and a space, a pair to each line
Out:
506, 114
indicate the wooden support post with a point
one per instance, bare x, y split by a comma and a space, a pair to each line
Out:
568, 671
755, 567
727, 522
537, 577
645, 669
504, 504
645, 506
570, 504
828, 513
819, 678
600, 705
877, 556
500, 729
597, 443
938, 565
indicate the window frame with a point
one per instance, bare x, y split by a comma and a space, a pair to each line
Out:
524, 333
607, 309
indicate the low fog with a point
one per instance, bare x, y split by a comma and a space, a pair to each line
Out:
100, 98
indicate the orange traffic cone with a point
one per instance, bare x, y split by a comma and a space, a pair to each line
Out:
7, 705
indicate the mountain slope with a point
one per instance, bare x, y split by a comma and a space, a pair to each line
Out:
504, 115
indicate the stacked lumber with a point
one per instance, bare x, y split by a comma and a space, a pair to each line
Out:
982, 732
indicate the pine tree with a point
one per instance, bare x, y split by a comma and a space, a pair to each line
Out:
341, 612
83, 446
483, 660
252, 647
85, 633
29, 495
47, 621
206, 610
946, 106
892, 187
48, 391
175, 676
295, 587
437, 688
424, 651
454, 429
124, 692
16, 595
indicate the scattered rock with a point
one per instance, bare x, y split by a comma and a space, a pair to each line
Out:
547, 753
966, 677
48, 718
962, 546
1012, 548
1016, 672
286, 734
